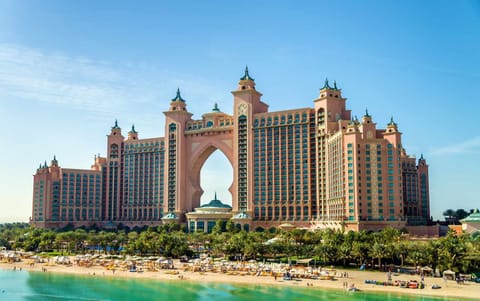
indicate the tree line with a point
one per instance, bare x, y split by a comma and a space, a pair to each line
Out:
378, 250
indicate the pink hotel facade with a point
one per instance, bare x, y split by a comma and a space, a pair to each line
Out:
314, 167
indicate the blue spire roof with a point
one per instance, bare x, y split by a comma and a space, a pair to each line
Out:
116, 125
133, 129
392, 123
246, 76
326, 85
178, 97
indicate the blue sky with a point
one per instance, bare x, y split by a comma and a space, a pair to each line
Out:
69, 69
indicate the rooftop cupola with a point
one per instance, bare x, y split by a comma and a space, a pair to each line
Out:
326, 86
133, 134
352, 126
178, 97
54, 162
215, 108
247, 76
116, 130
246, 81
366, 118
392, 126
422, 161
392, 123
178, 103
329, 92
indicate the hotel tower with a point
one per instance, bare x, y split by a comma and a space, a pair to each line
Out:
317, 167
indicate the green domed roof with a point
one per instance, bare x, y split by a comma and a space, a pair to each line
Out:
170, 215
474, 217
215, 204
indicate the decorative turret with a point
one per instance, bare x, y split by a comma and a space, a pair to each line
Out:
247, 76
366, 118
326, 85
392, 123
248, 97
116, 130
391, 126
352, 126
54, 162
329, 92
246, 82
178, 97
133, 135
178, 103
422, 161
215, 108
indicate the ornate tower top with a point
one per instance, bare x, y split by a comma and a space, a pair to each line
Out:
133, 129
178, 103
215, 108
366, 118
326, 85
246, 82
54, 161
178, 97
392, 123
116, 130
329, 92
246, 76
133, 135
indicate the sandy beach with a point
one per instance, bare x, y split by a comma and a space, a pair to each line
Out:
180, 273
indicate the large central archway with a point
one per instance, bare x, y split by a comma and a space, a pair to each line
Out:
201, 151
216, 177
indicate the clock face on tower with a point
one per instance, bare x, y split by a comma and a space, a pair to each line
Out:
242, 109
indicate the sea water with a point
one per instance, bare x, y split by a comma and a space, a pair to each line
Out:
38, 286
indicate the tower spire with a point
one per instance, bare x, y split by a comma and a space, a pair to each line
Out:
116, 125
326, 85
392, 123
133, 129
215, 196
178, 97
366, 112
335, 85
215, 108
246, 76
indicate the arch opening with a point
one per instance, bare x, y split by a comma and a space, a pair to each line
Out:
216, 176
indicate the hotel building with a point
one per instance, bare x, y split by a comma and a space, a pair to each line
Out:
316, 167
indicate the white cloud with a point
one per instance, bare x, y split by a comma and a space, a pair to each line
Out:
91, 85
469, 146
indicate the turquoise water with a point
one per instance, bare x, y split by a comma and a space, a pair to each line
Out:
22, 285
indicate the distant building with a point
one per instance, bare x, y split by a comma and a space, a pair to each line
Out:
317, 167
